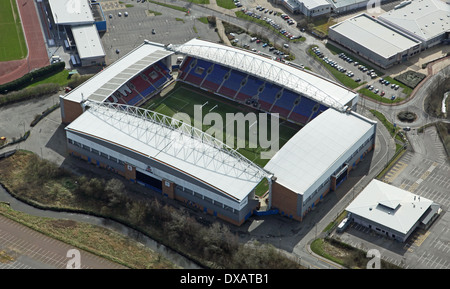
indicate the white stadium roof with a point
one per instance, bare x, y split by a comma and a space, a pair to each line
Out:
424, 19
389, 206
87, 41
312, 151
184, 148
312, 85
373, 35
106, 82
71, 12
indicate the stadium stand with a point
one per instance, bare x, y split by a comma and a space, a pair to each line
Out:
249, 89
142, 86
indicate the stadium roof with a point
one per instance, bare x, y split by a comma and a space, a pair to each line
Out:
312, 151
312, 85
103, 84
70, 12
183, 147
422, 19
87, 41
374, 35
389, 206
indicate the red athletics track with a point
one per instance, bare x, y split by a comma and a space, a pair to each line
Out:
37, 51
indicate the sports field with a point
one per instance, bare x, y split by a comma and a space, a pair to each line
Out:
12, 40
183, 99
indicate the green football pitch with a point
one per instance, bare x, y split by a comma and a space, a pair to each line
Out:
197, 104
12, 40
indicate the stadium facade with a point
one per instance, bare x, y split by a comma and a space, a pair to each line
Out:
106, 127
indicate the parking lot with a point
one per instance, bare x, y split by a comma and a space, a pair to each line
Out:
171, 26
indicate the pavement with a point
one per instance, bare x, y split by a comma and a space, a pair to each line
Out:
26, 248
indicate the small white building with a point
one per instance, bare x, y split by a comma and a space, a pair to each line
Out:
391, 211
309, 8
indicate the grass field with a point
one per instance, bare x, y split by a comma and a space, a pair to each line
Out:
182, 99
12, 40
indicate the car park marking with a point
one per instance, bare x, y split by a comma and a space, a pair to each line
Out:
394, 172
421, 238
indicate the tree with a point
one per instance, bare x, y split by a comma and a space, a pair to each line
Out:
115, 192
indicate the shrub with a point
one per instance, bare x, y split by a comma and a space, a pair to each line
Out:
29, 77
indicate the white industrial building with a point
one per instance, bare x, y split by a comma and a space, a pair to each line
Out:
371, 39
396, 35
391, 211
309, 8
76, 20
426, 20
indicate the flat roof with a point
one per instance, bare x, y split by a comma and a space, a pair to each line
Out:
403, 212
88, 41
217, 168
424, 19
312, 85
70, 12
106, 82
316, 148
344, 3
374, 35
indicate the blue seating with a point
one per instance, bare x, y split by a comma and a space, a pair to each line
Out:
251, 87
217, 74
205, 65
305, 107
269, 93
287, 99
235, 79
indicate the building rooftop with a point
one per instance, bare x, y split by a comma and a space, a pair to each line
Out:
69, 12
389, 206
149, 134
374, 35
424, 19
87, 41
312, 151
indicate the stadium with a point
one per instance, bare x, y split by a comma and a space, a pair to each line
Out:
126, 119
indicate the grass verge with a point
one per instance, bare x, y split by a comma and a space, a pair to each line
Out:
341, 77
94, 239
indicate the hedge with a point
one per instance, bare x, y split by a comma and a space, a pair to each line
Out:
29, 77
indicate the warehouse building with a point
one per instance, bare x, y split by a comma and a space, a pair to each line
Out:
426, 20
373, 40
391, 211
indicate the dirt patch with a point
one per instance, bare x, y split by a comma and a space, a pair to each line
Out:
5, 257
62, 224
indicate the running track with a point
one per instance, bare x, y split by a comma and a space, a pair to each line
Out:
37, 51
